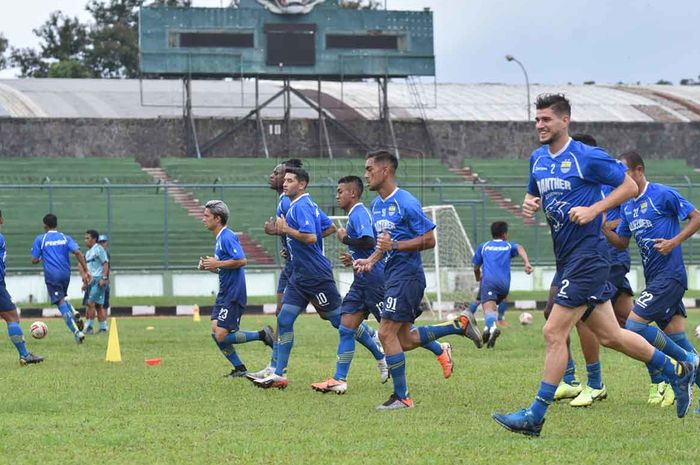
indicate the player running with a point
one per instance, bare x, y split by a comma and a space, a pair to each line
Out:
8, 311
492, 269
565, 180
229, 262
654, 219
403, 231
52, 248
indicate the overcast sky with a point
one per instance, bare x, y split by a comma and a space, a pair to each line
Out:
558, 41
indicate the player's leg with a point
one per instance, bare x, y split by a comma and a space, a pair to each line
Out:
569, 387
502, 307
594, 389
90, 314
491, 331
396, 360
14, 331
58, 292
225, 321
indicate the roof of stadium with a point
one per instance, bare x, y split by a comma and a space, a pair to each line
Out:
105, 98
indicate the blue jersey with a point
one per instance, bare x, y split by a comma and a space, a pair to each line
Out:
282, 208
654, 215
231, 281
572, 178
401, 215
3, 257
53, 249
308, 261
494, 256
617, 256
360, 224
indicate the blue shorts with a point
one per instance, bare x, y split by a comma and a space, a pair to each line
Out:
96, 293
661, 301
618, 278
583, 281
6, 303
285, 274
57, 291
323, 295
364, 296
402, 299
228, 316
492, 292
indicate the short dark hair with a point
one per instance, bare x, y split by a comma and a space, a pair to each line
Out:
585, 139
632, 159
557, 102
51, 220
92, 233
293, 163
300, 173
498, 229
384, 156
353, 180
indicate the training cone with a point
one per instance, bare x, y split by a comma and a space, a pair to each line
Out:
195, 313
114, 353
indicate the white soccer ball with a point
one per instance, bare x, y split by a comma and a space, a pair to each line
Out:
697, 331
526, 318
450, 316
38, 330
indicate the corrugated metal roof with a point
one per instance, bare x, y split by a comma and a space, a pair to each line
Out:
102, 98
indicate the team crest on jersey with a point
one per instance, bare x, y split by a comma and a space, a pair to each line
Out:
392, 210
644, 207
566, 166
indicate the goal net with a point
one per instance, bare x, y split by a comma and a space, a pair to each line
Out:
448, 266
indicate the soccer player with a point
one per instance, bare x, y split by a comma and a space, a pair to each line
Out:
103, 240
494, 256
501, 308
52, 249
98, 266
565, 180
403, 232
654, 219
8, 311
229, 262
312, 275
366, 294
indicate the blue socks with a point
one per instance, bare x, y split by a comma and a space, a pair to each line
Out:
363, 334
17, 338
544, 398
473, 306
656, 375
67, 314
397, 369
434, 347
681, 339
501, 310
285, 340
570, 373
658, 339
489, 320
595, 380
229, 352
669, 367
430, 333
346, 350
241, 337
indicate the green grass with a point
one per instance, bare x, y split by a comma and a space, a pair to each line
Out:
78, 409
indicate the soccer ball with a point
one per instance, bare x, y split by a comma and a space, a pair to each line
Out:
697, 331
525, 318
38, 330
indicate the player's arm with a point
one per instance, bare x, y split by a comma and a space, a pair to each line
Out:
526, 261
477, 272
36, 251
665, 246
269, 227
531, 204
82, 266
364, 242
284, 228
619, 242
417, 244
35, 260
105, 274
623, 192
329, 230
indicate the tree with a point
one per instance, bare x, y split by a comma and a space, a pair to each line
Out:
690, 82
69, 69
3, 47
663, 82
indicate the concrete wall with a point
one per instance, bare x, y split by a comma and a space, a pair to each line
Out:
148, 140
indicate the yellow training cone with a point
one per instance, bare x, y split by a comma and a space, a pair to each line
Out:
195, 313
114, 353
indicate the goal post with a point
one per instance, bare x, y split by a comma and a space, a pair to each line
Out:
448, 266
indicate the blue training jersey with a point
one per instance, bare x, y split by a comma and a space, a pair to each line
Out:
308, 261
283, 204
53, 249
401, 215
3, 257
231, 281
572, 178
655, 214
494, 257
360, 224
617, 256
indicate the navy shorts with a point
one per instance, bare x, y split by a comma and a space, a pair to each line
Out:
402, 299
661, 301
364, 296
584, 281
6, 303
322, 294
57, 291
618, 278
492, 292
285, 274
228, 316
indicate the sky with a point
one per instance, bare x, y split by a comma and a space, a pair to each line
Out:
606, 41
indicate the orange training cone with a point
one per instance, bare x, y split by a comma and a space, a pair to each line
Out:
195, 313
114, 353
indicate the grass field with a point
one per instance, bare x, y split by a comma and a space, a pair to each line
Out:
76, 408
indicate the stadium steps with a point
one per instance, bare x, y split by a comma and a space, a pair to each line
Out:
254, 251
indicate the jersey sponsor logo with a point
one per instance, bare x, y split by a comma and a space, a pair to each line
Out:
553, 184
639, 224
381, 225
497, 248
540, 168
56, 242
566, 166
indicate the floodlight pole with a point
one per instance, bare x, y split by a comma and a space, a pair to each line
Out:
527, 82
